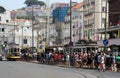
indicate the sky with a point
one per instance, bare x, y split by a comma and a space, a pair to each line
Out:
16, 4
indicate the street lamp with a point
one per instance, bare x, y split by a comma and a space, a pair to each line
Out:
105, 41
70, 43
47, 20
106, 20
32, 30
70, 23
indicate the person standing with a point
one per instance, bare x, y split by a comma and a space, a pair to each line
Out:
67, 60
103, 62
113, 63
99, 61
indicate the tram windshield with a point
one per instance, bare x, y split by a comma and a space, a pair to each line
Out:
14, 50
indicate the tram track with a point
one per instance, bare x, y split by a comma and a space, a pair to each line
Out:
81, 72
85, 75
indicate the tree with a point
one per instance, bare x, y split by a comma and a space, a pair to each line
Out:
2, 9
34, 2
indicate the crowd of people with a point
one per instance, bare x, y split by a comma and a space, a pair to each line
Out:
92, 60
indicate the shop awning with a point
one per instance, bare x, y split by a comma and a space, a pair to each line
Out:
111, 42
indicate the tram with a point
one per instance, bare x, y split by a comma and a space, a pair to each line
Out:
12, 52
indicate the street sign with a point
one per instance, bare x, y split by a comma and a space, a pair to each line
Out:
105, 42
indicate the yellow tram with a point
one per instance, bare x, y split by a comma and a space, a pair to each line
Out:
12, 52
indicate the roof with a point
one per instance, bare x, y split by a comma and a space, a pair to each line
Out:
77, 6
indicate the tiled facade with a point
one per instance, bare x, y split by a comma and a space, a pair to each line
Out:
77, 22
94, 16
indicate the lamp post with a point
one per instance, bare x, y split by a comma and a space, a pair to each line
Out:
46, 29
106, 20
14, 29
70, 22
32, 30
105, 41
70, 43
47, 21
22, 37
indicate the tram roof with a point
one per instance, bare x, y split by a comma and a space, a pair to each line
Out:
87, 46
55, 46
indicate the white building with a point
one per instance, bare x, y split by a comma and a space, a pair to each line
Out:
5, 33
5, 17
24, 34
77, 22
21, 35
12, 32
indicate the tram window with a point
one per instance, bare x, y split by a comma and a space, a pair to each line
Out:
18, 49
12, 50
15, 49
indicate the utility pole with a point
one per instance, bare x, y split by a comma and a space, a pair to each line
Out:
106, 19
32, 29
105, 40
70, 43
22, 37
70, 21
14, 29
47, 20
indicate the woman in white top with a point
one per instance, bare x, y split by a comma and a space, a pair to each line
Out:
103, 62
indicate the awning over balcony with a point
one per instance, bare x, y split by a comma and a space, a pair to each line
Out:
111, 42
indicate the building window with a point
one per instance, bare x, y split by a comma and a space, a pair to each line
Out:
103, 9
3, 29
25, 41
73, 26
103, 20
7, 21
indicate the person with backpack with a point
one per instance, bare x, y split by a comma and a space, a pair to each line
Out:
99, 61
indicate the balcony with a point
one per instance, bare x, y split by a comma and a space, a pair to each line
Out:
92, 10
92, 0
91, 21
111, 28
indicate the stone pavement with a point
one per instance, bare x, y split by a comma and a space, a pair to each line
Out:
106, 74
96, 73
91, 73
